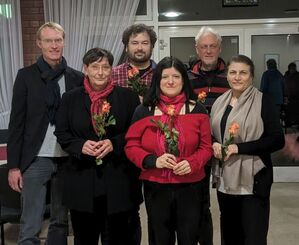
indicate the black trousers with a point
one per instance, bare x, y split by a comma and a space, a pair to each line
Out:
244, 219
206, 224
173, 211
116, 229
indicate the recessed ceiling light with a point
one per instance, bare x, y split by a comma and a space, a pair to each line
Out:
172, 14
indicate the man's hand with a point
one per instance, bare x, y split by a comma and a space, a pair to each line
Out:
15, 179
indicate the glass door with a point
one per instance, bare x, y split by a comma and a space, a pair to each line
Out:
281, 42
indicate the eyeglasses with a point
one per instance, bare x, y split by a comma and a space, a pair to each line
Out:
207, 47
58, 41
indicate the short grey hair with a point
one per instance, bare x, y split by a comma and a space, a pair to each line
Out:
207, 30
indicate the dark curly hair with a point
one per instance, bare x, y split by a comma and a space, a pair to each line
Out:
136, 29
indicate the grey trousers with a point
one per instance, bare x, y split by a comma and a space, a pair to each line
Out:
33, 198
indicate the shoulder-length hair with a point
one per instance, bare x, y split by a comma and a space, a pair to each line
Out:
152, 97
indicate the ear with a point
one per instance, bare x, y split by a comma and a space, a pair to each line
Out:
126, 48
85, 69
196, 49
38, 43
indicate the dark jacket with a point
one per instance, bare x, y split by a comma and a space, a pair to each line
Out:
28, 119
292, 86
116, 177
273, 84
271, 140
213, 82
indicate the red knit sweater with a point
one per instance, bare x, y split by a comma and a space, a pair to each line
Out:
142, 141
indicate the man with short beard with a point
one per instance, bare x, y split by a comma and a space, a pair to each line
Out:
139, 41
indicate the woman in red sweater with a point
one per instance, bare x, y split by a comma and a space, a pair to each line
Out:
170, 141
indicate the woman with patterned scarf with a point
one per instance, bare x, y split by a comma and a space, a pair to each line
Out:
170, 141
246, 130
101, 186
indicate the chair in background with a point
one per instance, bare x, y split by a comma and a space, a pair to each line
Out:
10, 203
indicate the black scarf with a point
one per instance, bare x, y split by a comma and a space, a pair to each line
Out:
51, 77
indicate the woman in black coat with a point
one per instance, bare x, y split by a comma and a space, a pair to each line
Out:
101, 186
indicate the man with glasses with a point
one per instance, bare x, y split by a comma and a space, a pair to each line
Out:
208, 75
34, 156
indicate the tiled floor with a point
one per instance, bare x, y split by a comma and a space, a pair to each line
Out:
284, 220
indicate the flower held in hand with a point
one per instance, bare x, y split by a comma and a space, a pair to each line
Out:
233, 129
134, 81
170, 132
102, 121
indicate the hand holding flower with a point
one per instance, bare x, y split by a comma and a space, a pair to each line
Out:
103, 148
182, 168
89, 147
201, 97
217, 150
135, 83
231, 149
101, 121
166, 161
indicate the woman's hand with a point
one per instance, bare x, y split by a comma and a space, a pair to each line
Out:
90, 147
104, 147
182, 168
217, 150
231, 149
166, 161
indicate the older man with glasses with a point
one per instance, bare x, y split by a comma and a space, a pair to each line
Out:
208, 75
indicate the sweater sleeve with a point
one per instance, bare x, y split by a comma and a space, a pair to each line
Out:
202, 155
134, 149
272, 139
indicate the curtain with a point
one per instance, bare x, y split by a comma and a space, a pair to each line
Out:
91, 23
11, 54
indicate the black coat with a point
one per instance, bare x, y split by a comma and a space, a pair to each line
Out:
28, 119
117, 178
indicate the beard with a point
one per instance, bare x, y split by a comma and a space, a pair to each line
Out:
139, 57
209, 64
